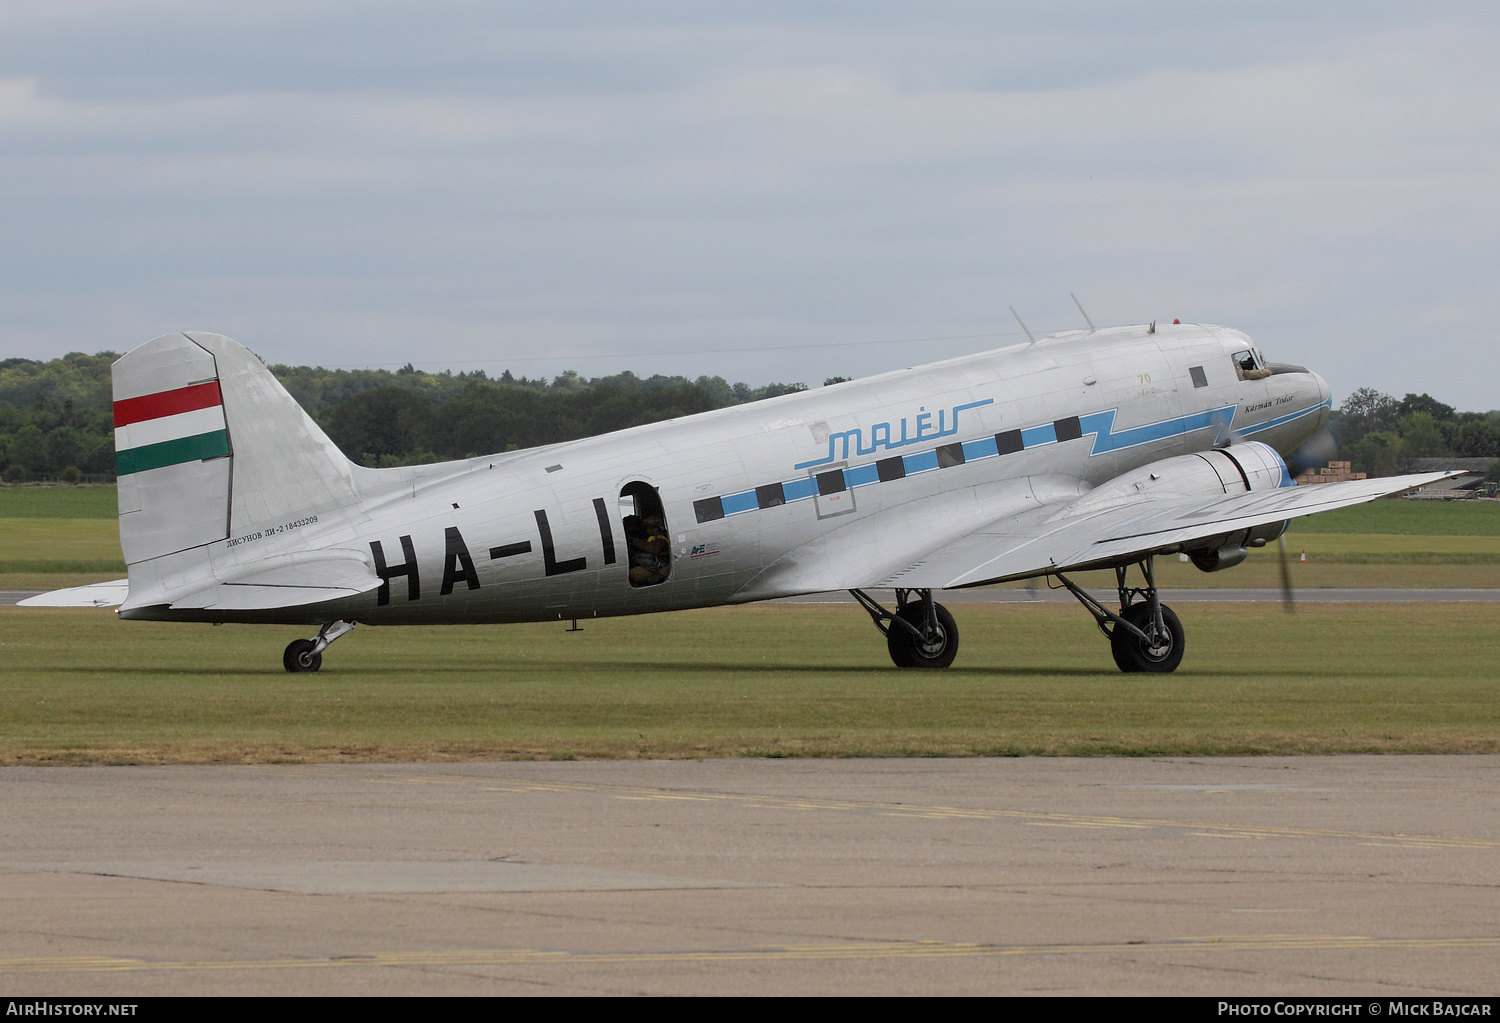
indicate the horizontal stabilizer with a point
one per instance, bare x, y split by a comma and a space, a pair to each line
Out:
291, 582
110, 594
250, 597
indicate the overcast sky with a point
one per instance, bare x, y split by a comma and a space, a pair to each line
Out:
764, 191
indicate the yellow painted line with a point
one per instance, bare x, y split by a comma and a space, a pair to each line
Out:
768, 802
776, 953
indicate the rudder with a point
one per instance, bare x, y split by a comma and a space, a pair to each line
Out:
209, 445
172, 455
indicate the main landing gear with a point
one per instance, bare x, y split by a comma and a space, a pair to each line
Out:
1145, 635
919, 634
307, 654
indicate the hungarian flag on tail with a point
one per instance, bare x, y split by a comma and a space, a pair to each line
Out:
170, 427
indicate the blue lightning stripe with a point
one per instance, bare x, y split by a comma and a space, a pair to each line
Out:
982, 448
1102, 426
1099, 424
739, 502
797, 489
920, 463
1289, 417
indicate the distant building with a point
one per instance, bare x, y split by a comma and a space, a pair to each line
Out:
1460, 488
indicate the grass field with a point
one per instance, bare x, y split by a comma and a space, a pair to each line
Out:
1454, 518
60, 502
765, 680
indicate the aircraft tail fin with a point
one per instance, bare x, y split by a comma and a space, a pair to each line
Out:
209, 445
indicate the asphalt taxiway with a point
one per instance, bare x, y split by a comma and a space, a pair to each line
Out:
1042, 592
1369, 876
1022, 595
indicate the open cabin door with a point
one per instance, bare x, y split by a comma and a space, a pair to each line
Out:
647, 540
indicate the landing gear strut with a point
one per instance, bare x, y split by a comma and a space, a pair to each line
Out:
1146, 635
919, 633
307, 654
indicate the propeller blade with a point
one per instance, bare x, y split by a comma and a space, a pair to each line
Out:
1314, 452
1288, 602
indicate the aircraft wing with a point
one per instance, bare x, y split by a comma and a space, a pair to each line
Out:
1050, 539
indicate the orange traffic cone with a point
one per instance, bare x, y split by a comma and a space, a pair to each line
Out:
1302, 560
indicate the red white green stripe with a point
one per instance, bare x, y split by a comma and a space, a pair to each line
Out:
169, 428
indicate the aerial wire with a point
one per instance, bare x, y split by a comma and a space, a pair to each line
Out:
691, 351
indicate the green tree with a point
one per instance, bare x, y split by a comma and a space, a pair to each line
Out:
381, 423
27, 451
1366, 411
1478, 438
1377, 454
1420, 436
1424, 403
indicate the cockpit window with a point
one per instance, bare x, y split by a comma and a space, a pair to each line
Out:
1249, 366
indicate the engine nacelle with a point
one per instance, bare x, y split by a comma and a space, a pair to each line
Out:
1235, 470
1219, 558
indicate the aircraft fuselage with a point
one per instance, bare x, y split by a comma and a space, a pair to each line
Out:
757, 499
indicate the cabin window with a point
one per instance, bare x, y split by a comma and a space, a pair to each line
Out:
950, 455
647, 543
1200, 378
1248, 365
772, 495
1067, 429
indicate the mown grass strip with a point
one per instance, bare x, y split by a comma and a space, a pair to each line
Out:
1451, 518
58, 502
83, 687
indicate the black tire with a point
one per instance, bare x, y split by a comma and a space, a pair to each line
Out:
1134, 654
907, 651
299, 656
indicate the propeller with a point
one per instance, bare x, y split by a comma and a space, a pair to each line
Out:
1288, 600
1314, 452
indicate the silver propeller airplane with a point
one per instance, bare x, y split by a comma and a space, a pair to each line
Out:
1082, 450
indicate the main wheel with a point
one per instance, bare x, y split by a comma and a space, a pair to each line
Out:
1132, 653
935, 651
299, 656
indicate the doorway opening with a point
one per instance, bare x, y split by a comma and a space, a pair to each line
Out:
646, 537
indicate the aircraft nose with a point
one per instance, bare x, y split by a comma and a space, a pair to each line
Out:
1323, 393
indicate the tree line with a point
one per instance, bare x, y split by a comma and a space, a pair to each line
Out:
56, 420
1381, 434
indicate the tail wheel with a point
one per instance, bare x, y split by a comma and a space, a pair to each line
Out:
935, 649
299, 656
1162, 654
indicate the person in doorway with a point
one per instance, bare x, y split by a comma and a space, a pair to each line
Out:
650, 553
